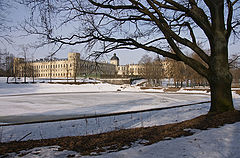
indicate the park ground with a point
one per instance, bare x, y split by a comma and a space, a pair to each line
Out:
176, 132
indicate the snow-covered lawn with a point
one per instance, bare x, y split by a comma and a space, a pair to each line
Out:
213, 143
42, 101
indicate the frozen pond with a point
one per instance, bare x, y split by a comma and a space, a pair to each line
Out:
35, 107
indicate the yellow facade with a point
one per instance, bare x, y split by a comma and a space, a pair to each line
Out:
73, 66
130, 70
127, 70
133, 69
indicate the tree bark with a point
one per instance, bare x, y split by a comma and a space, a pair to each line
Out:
220, 78
221, 94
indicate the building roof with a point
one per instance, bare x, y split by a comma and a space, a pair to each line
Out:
114, 57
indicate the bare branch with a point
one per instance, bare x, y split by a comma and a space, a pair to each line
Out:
234, 2
196, 14
233, 60
162, 24
191, 33
229, 18
111, 6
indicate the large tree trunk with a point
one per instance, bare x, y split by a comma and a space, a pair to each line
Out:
221, 95
220, 78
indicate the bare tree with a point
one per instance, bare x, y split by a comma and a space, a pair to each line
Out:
196, 79
152, 25
153, 70
75, 67
6, 64
234, 61
25, 66
50, 58
3, 54
236, 77
181, 72
32, 69
146, 61
235, 69
177, 71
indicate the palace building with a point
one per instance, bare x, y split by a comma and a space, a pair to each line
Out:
127, 70
73, 66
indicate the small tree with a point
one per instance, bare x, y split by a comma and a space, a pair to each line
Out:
176, 71
32, 70
6, 64
25, 64
235, 69
9, 66
3, 62
146, 61
67, 70
75, 68
153, 70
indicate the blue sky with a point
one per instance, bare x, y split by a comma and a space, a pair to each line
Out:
17, 15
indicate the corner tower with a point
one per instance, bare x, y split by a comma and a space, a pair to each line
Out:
73, 56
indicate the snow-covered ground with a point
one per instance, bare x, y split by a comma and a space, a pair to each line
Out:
43, 101
213, 143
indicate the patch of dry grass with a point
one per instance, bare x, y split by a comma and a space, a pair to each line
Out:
171, 89
158, 88
75, 83
197, 89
